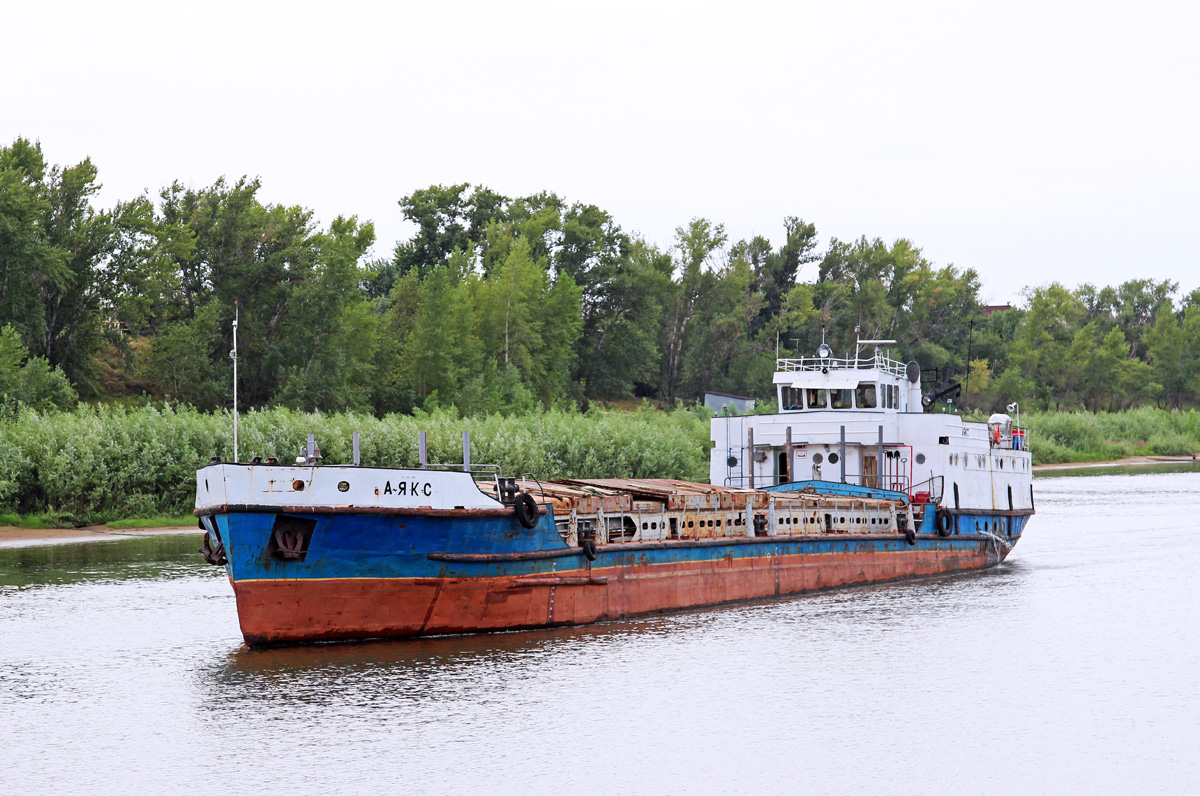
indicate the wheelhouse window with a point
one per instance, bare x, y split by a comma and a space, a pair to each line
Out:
789, 398
840, 399
864, 395
817, 399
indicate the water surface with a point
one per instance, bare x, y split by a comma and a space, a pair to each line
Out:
1071, 668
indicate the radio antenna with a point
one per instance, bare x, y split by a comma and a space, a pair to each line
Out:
234, 356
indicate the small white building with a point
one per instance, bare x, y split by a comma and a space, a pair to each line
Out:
718, 402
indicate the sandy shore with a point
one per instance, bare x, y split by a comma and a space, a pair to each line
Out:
1118, 462
29, 537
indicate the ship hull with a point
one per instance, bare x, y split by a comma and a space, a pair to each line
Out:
353, 587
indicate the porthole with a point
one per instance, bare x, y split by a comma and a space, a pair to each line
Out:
644, 525
691, 523
654, 526
833, 458
818, 458
343, 486
920, 458
298, 485
718, 523
781, 520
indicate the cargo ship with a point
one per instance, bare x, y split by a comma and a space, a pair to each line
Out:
851, 482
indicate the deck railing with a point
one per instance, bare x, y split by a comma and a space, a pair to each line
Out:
880, 361
888, 481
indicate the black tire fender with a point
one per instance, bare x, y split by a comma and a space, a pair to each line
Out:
526, 509
589, 550
910, 536
944, 523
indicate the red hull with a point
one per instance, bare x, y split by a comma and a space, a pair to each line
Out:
282, 611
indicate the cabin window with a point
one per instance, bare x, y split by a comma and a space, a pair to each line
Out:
864, 396
817, 399
790, 398
840, 399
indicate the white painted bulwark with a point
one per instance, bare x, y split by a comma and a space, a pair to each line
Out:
337, 486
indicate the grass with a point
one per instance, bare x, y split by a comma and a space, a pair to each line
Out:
182, 521
36, 521
48, 519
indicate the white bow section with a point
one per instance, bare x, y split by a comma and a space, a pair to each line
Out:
337, 486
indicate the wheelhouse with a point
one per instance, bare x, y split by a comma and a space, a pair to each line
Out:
876, 383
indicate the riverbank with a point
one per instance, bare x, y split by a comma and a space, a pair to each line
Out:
31, 537
11, 536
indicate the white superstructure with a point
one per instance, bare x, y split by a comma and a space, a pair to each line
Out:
862, 422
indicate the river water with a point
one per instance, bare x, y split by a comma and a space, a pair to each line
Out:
1072, 668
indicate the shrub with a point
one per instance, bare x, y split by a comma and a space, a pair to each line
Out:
113, 462
1172, 443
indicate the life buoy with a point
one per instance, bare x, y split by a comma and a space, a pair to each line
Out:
996, 434
589, 550
526, 509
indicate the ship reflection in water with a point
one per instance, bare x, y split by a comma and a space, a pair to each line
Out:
1069, 668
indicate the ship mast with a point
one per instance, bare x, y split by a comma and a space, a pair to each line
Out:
234, 356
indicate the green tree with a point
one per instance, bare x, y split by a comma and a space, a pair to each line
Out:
28, 261
725, 312
447, 218
696, 245
184, 363
1173, 346
53, 247
29, 381
527, 321
306, 334
1042, 342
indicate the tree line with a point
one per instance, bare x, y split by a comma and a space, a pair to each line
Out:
504, 304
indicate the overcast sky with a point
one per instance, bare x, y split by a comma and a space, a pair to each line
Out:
1030, 141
